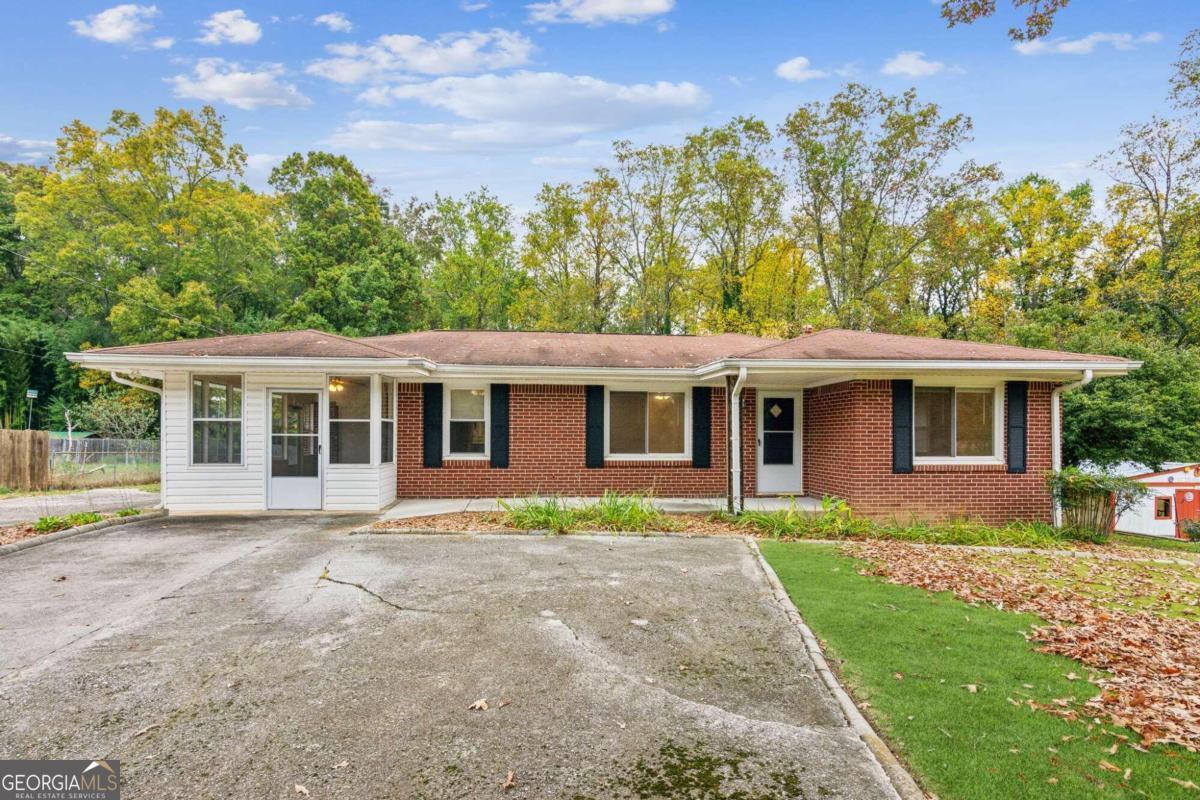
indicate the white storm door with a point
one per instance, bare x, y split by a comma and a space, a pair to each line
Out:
779, 443
295, 463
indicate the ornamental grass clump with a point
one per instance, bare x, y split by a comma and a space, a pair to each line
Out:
1092, 501
538, 513
625, 512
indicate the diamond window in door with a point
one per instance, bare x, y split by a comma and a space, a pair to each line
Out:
779, 430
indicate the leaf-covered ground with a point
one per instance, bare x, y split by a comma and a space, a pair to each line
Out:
948, 683
1137, 621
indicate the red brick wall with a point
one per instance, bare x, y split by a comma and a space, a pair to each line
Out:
848, 454
546, 454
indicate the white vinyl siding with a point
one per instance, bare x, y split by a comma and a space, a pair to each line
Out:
239, 488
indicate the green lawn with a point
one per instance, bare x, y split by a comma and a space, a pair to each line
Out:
908, 656
1156, 543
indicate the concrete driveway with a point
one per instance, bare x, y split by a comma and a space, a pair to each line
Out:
212, 658
28, 508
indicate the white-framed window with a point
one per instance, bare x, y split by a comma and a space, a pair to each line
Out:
465, 417
387, 421
217, 411
958, 424
349, 419
649, 425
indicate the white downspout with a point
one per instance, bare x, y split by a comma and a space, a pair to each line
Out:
162, 432
1056, 429
735, 435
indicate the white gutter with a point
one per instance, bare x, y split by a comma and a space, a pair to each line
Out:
1056, 429
916, 365
145, 387
735, 443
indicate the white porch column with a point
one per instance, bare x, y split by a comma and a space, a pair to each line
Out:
735, 443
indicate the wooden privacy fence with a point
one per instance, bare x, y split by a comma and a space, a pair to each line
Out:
25, 459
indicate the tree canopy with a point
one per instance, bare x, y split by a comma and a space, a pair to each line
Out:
859, 211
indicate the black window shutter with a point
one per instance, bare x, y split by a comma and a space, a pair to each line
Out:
431, 407
701, 427
902, 426
594, 418
1017, 393
499, 401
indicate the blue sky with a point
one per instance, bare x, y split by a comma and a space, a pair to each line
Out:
445, 96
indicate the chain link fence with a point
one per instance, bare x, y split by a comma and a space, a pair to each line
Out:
103, 462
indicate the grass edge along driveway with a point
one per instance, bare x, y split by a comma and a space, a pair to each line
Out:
946, 683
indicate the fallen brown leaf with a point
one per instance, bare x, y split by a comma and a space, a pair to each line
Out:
300, 790
479, 705
510, 781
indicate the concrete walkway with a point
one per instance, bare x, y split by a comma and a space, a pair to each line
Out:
241, 657
419, 507
29, 508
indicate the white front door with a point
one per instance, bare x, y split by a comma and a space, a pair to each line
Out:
295, 463
779, 466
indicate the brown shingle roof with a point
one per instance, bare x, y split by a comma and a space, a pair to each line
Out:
838, 344
538, 349
281, 344
534, 348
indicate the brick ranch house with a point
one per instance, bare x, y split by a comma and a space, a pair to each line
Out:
894, 425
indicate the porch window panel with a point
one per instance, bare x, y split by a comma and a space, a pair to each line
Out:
664, 422
627, 423
933, 417
974, 422
387, 423
216, 419
468, 422
349, 420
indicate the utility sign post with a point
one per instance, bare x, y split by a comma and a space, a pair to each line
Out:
30, 395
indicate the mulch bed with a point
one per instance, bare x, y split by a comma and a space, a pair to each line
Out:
493, 522
15, 533
1116, 624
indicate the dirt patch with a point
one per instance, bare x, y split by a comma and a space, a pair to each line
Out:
1137, 620
494, 522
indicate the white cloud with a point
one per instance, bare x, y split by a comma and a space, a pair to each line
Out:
469, 7
522, 110
560, 161
117, 25
912, 64
215, 80
553, 98
163, 43
335, 21
1085, 45
14, 149
262, 162
799, 69
396, 55
232, 27
597, 12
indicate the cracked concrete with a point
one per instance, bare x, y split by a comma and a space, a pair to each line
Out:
239, 657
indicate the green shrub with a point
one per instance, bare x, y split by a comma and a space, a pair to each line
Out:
82, 518
49, 524
1191, 530
129, 512
536, 513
